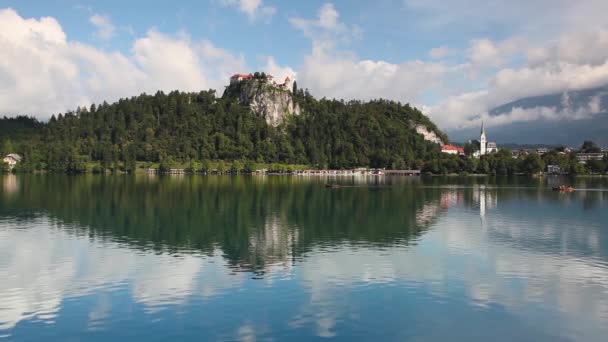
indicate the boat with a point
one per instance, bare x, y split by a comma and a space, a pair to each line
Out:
332, 186
563, 188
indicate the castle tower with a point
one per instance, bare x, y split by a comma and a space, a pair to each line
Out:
482, 141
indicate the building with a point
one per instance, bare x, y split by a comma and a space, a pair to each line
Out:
287, 84
451, 149
583, 158
485, 146
12, 159
541, 151
491, 147
236, 78
554, 169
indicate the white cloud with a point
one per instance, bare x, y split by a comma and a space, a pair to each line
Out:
279, 72
329, 72
254, 9
43, 73
105, 29
326, 29
47, 264
522, 16
587, 47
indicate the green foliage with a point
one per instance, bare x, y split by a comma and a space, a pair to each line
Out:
532, 164
199, 126
590, 147
4, 167
206, 165
7, 147
236, 166
182, 128
18, 129
249, 166
166, 164
470, 148
193, 166
221, 166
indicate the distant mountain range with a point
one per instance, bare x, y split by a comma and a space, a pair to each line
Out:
566, 118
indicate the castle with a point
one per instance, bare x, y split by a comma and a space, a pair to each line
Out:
264, 78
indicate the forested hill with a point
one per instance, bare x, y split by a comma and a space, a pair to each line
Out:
19, 128
199, 126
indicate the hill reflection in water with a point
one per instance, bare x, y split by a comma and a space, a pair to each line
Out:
285, 258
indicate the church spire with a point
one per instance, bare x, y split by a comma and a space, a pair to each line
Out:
483, 130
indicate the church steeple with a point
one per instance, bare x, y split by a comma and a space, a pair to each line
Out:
482, 140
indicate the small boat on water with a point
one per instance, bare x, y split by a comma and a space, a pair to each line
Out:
563, 188
332, 186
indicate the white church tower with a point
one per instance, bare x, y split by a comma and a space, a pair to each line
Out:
482, 141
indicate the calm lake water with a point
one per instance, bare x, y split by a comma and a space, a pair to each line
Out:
101, 258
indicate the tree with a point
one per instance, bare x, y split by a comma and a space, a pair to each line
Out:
590, 147
7, 147
294, 89
166, 165
470, 148
186, 126
236, 166
130, 159
596, 166
193, 166
221, 166
249, 166
532, 164
206, 165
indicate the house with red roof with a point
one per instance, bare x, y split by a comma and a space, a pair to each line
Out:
451, 149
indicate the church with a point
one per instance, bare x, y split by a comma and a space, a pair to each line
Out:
485, 147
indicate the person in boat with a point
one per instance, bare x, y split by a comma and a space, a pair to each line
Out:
563, 188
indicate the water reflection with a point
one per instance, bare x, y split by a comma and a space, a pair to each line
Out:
284, 258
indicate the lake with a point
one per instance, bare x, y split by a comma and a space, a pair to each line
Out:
260, 258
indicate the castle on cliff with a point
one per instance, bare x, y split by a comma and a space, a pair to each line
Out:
264, 78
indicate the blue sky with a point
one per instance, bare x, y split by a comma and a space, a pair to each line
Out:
454, 60
392, 35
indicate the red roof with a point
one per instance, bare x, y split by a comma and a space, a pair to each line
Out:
449, 148
241, 76
452, 148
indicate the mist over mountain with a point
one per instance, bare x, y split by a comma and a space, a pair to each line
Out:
566, 118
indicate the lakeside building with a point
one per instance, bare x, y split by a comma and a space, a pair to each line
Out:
555, 170
583, 158
12, 159
451, 149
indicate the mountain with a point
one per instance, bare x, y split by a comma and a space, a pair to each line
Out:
256, 121
566, 118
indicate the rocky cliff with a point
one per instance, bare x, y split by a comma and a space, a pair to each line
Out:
428, 134
272, 102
